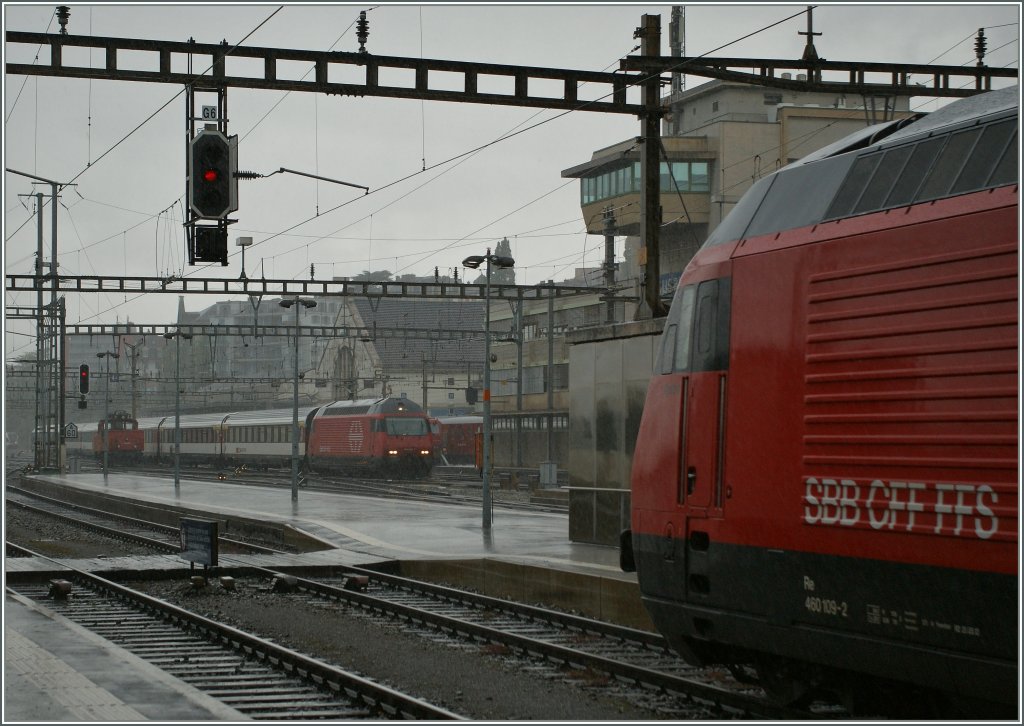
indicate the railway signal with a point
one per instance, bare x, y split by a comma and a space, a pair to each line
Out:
83, 378
212, 184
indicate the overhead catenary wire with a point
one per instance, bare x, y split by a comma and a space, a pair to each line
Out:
130, 133
481, 147
461, 158
514, 133
90, 165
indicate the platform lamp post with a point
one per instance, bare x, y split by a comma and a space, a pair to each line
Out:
298, 303
243, 242
473, 262
177, 336
105, 357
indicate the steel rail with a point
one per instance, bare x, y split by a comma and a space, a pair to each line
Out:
739, 703
387, 701
157, 544
171, 548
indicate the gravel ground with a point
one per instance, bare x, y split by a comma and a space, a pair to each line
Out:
58, 539
477, 681
480, 682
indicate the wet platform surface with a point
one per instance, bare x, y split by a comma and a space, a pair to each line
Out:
377, 528
58, 671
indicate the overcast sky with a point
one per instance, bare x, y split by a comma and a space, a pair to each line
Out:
125, 214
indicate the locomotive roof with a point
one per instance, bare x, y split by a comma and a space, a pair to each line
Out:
839, 180
390, 404
967, 109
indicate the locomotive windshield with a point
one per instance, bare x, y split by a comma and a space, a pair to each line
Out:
405, 426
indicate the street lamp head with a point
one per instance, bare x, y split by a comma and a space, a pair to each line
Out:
305, 302
474, 261
243, 242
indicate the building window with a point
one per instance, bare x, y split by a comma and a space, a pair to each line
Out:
682, 176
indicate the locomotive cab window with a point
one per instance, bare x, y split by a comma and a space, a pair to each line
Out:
405, 426
711, 326
697, 336
681, 354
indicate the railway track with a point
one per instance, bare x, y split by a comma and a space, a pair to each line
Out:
260, 679
160, 537
637, 662
634, 661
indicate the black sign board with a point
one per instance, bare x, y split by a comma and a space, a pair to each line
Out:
199, 541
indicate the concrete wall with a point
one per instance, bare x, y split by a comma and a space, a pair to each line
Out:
610, 368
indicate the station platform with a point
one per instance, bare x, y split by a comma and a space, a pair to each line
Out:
66, 673
55, 670
375, 527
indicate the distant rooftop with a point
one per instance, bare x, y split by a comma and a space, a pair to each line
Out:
409, 353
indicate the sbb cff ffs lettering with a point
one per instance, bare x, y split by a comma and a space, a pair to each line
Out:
212, 180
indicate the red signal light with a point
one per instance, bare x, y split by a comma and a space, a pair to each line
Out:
212, 164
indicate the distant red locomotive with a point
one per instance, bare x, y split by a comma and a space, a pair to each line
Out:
825, 481
455, 438
124, 438
386, 436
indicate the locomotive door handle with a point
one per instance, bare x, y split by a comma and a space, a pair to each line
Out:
691, 480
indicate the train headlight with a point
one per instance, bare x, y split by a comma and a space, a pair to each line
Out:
392, 452
424, 452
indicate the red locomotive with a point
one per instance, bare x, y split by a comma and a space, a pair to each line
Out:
825, 482
455, 438
386, 436
126, 441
